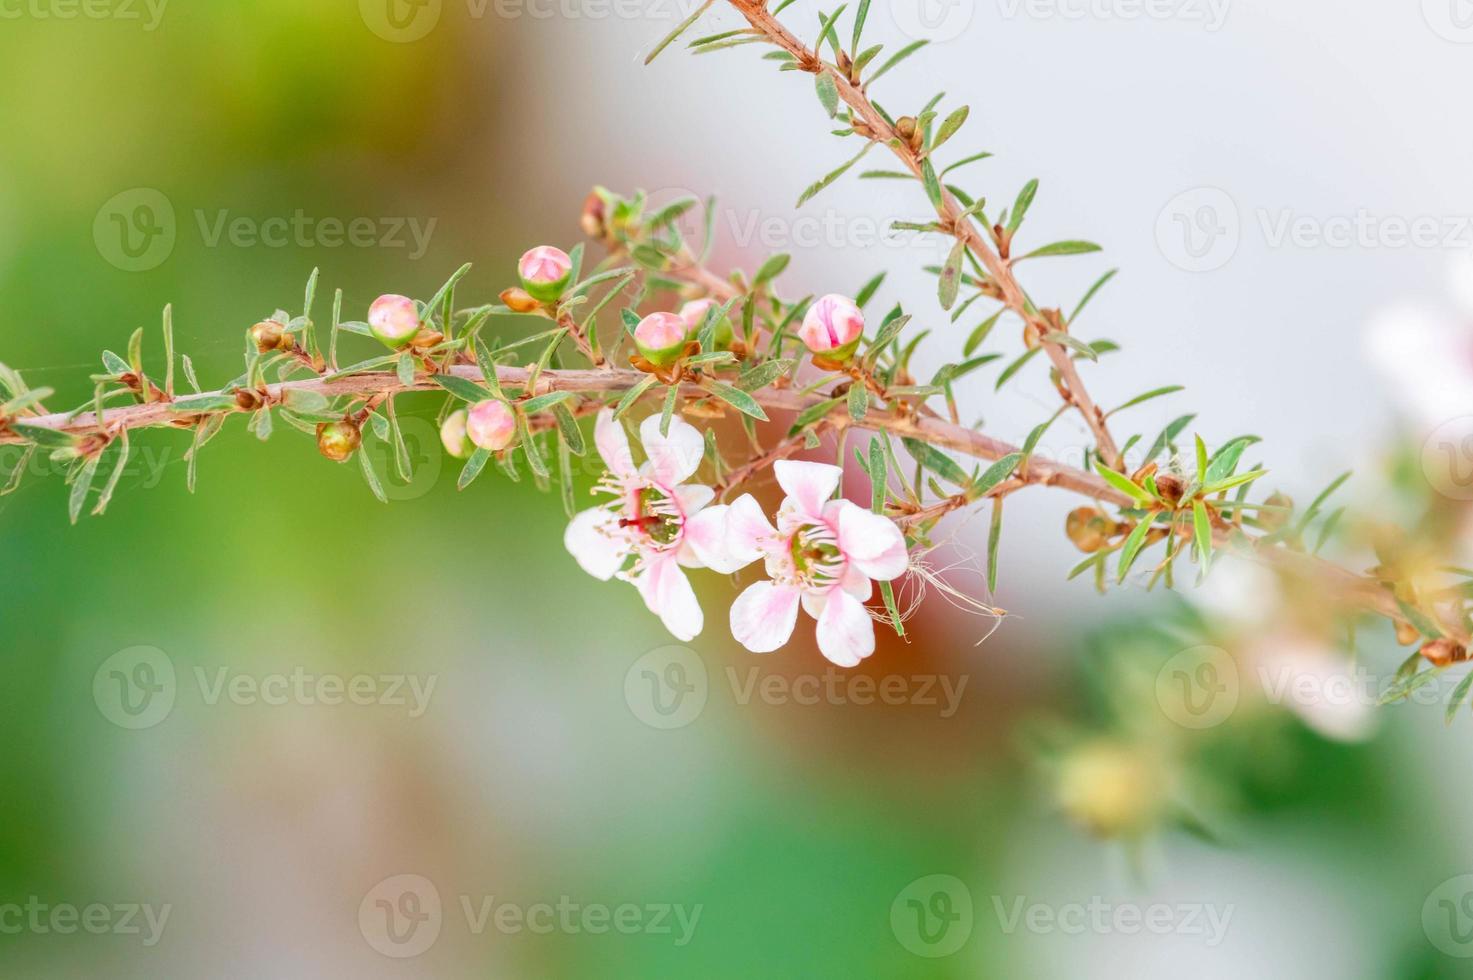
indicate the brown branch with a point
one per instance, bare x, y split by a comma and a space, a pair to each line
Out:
950, 212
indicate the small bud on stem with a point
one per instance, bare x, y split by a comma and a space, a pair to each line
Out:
338, 440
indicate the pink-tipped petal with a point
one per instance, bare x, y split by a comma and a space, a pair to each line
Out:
613, 445
668, 594
589, 539
749, 534
674, 457
808, 485
872, 543
692, 497
846, 634
705, 542
763, 617
857, 584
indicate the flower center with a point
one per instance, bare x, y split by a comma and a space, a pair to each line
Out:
653, 514
818, 564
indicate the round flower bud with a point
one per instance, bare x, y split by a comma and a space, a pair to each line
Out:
660, 337
491, 425
454, 436
518, 300
544, 271
1089, 529
832, 327
338, 440
1111, 790
694, 315
269, 335
393, 320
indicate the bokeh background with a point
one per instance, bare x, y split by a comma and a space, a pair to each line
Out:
150, 154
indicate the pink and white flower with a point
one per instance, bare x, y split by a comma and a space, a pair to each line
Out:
832, 326
394, 320
655, 519
823, 555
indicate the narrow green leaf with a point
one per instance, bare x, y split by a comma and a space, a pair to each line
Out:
680, 29
896, 59
828, 93
1202, 528
949, 127
1122, 483
737, 399
951, 275
825, 181
1023, 203
1061, 248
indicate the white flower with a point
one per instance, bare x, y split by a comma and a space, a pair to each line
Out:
823, 555
654, 519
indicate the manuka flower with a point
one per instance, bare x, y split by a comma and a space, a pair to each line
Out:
823, 555
656, 525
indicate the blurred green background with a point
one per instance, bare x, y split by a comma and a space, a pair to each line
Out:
538, 771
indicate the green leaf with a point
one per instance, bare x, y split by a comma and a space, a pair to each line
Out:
828, 93
567, 426
1132, 547
1202, 528
123, 451
1015, 367
371, 478
814, 412
964, 161
878, 475
672, 395
1153, 393
632, 395
936, 461
868, 290
81, 486
1061, 248
995, 474
980, 334
1090, 294
680, 29
1168, 435
858, 401
201, 404
896, 59
825, 181
1201, 456
1073, 343
1021, 206
951, 275
1218, 486
466, 391
764, 374
472, 468
949, 127
859, 17
440, 294
1420, 620
737, 399
1120, 482
1459, 695
931, 182
543, 402
771, 269
994, 536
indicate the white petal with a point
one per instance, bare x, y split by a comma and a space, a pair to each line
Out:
613, 444
846, 634
693, 497
590, 540
668, 594
872, 543
808, 485
705, 538
672, 458
813, 603
748, 532
857, 584
763, 617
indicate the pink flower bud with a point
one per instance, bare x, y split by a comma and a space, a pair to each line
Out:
393, 320
694, 315
453, 434
660, 337
491, 425
832, 327
544, 271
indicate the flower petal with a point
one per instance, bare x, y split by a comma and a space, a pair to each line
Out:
693, 497
846, 634
668, 594
674, 457
705, 542
749, 533
592, 543
857, 584
613, 444
872, 543
763, 617
808, 485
